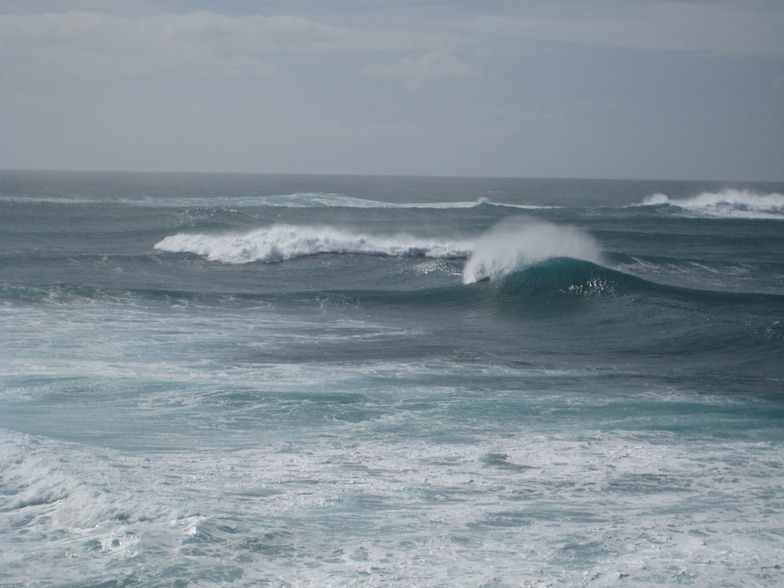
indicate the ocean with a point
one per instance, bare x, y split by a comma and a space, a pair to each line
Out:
282, 380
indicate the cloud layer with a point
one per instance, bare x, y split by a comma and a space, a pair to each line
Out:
528, 88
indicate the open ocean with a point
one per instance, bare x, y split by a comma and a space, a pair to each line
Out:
261, 380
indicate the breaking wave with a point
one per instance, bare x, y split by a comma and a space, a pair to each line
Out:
512, 244
285, 242
726, 204
518, 242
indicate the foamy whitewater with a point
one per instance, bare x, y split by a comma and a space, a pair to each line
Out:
255, 380
283, 242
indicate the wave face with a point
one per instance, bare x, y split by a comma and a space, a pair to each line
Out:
518, 242
284, 242
726, 204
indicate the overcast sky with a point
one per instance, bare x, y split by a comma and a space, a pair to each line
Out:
586, 89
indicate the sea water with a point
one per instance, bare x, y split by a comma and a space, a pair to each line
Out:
256, 380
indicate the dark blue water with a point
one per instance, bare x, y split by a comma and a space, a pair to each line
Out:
319, 380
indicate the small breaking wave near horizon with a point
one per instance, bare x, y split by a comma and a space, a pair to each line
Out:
729, 203
293, 200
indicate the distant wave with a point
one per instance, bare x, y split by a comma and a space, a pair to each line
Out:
47, 200
725, 204
296, 200
517, 242
322, 200
326, 200
284, 242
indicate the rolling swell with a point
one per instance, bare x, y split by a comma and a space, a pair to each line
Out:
548, 282
579, 278
449, 297
358, 279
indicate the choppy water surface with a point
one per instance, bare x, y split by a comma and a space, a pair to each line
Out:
329, 381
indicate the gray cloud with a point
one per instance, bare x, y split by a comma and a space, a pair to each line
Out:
720, 28
429, 67
596, 88
207, 40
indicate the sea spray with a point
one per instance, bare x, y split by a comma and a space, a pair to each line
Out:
519, 241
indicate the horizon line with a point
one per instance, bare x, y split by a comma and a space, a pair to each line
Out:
387, 175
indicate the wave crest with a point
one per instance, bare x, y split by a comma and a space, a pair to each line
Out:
285, 242
728, 203
518, 242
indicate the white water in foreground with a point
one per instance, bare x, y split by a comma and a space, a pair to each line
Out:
565, 509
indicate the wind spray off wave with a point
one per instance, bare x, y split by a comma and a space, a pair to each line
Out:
517, 242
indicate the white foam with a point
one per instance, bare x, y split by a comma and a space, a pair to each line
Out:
518, 242
656, 200
560, 507
728, 203
284, 242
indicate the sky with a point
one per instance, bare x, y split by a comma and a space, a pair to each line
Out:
642, 89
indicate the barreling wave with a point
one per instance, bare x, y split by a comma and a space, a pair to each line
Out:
725, 204
284, 242
518, 242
